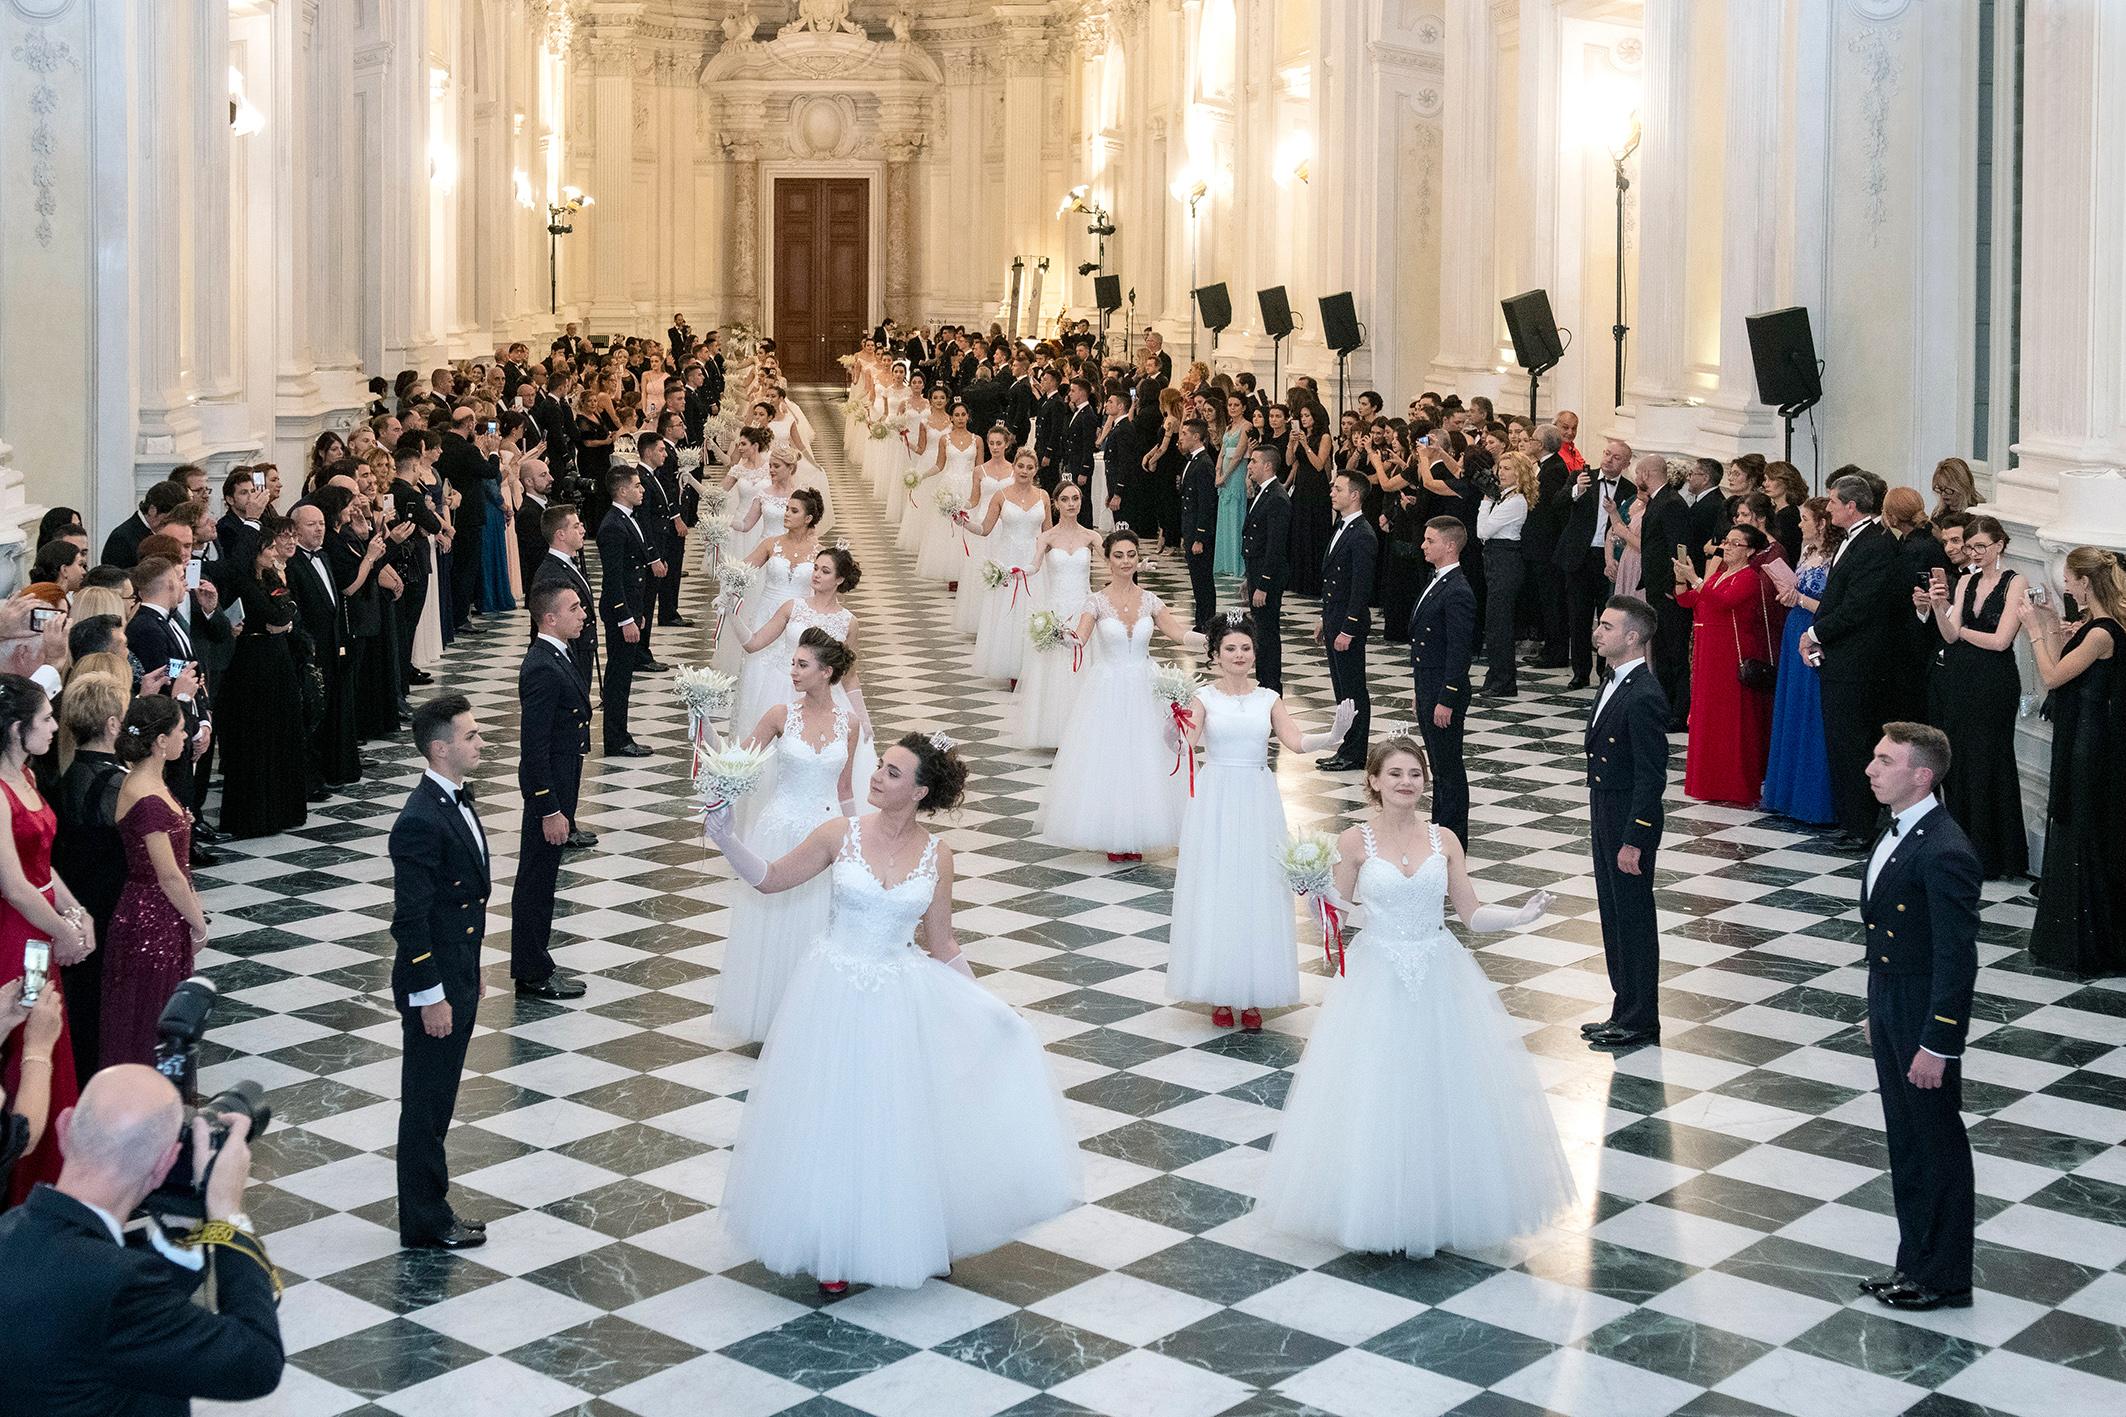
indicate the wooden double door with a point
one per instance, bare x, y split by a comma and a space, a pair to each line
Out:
822, 237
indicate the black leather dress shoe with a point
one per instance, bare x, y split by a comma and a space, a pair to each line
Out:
204, 859
1339, 764
206, 835
553, 986
1918, 1299
457, 1237
580, 840
420, 678
464, 1224
1876, 1284
320, 794
1577, 681
1614, 1037
680, 621
651, 666
1589, 1030
628, 750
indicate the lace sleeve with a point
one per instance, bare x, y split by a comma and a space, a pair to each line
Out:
1153, 605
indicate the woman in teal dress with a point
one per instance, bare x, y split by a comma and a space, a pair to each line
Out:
1232, 487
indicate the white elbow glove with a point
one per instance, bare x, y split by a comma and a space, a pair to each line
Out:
1490, 919
1346, 715
717, 826
958, 964
860, 713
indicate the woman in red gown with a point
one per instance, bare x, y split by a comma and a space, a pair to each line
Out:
158, 925
1730, 722
34, 905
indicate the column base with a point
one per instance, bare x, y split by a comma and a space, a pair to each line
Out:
1665, 428
1727, 431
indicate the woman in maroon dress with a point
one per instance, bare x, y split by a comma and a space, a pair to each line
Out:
34, 905
1730, 722
158, 924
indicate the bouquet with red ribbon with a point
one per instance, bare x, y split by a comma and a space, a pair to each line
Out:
1308, 860
1177, 689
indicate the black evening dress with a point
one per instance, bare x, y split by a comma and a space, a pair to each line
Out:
2080, 927
1974, 697
1311, 521
260, 706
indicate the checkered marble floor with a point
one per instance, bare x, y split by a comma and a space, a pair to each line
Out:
1732, 1179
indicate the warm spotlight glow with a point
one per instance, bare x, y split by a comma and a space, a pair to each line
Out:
1294, 158
1189, 186
520, 183
442, 164
1616, 125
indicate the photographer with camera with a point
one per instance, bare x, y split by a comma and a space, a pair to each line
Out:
89, 1324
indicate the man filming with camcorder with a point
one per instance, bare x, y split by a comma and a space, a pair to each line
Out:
90, 1324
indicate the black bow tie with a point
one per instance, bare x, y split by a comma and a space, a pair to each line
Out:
1895, 828
463, 796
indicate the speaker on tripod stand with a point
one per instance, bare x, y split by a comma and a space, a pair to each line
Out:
1537, 346
1341, 331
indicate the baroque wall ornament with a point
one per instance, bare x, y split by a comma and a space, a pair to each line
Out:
44, 57
1880, 70
553, 23
821, 17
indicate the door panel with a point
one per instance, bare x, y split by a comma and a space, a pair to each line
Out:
822, 272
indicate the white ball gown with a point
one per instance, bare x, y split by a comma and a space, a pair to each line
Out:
1000, 648
967, 607
763, 682
882, 459
731, 636
941, 558
1113, 787
917, 509
1231, 938
808, 471
746, 489
1048, 689
1416, 1121
896, 488
803, 791
775, 659
901, 1115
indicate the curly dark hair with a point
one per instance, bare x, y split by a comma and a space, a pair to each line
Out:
846, 572
147, 718
938, 771
833, 656
815, 505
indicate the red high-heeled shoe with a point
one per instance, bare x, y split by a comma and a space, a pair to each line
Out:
1124, 857
1221, 1017
839, 1286
1251, 1020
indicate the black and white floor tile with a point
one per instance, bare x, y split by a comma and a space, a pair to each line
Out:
1732, 1179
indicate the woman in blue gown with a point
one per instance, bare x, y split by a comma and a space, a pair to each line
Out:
494, 554
1797, 775
1232, 488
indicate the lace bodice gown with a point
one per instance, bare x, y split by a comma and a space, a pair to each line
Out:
1113, 787
763, 939
941, 557
1000, 639
1231, 938
766, 678
1416, 1121
1048, 688
967, 610
901, 1116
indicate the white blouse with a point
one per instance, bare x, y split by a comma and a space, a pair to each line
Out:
1502, 520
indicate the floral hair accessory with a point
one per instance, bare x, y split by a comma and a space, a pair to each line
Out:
943, 743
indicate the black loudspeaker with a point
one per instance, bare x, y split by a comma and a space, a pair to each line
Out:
1107, 292
1276, 312
1785, 355
1339, 323
1215, 305
1532, 329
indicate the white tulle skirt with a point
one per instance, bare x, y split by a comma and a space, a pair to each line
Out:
1000, 648
883, 460
941, 558
1416, 1121
1113, 787
894, 1124
1047, 692
916, 517
967, 600
766, 935
1231, 938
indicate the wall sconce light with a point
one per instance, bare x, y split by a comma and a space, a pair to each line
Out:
1294, 160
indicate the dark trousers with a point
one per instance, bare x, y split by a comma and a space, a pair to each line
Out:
1503, 569
1269, 640
1630, 944
1930, 1157
202, 779
1671, 656
429, 1070
465, 572
1550, 608
666, 591
1347, 680
1201, 589
621, 661
1586, 588
1852, 724
531, 898
407, 610
1450, 776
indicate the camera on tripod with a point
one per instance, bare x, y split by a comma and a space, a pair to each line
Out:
178, 1033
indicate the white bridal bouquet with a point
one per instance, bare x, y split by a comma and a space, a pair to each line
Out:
911, 479
716, 532
714, 500
735, 580
707, 693
1308, 860
992, 574
1045, 629
726, 774
1176, 688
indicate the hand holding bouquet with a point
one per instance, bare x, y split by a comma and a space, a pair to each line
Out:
1308, 860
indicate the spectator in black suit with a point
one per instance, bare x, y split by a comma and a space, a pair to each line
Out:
1080, 435
562, 563
1663, 529
1022, 399
1709, 521
1627, 773
1265, 556
1442, 645
537, 478
555, 738
410, 557
664, 521
92, 1328
628, 565
321, 611
1583, 540
1121, 452
1919, 904
1539, 542
237, 535
1155, 345
712, 370
1347, 570
468, 461
439, 889
163, 503
1199, 519
1861, 629
1050, 420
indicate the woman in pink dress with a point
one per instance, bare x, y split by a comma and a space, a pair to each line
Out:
158, 925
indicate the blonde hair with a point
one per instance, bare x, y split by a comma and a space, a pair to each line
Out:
1394, 746
2107, 581
99, 600
1955, 489
1517, 472
92, 698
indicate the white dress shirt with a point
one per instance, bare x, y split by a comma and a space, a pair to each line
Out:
1852, 531
434, 993
1341, 528
1439, 575
1502, 520
1616, 676
1900, 825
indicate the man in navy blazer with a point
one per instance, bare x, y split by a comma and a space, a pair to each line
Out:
1442, 644
439, 889
1199, 520
628, 563
1265, 556
1627, 772
1919, 904
1346, 617
555, 736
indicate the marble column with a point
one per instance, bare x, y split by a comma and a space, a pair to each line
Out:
1469, 287
212, 348
1756, 140
295, 392
605, 226
743, 149
1023, 53
1536, 178
902, 143
1657, 350
167, 426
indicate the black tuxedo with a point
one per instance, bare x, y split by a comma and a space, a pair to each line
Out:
554, 738
1122, 455
1663, 526
1199, 528
1347, 571
236, 552
1627, 771
1578, 561
439, 890
1265, 553
583, 651
1050, 422
712, 381
322, 616
1861, 622
1921, 933
467, 470
1708, 523
97, 1329
410, 558
531, 536
1080, 435
1442, 646
1019, 406
122, 546
662, 502
624, 557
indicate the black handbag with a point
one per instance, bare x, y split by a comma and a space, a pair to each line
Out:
1759, 674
